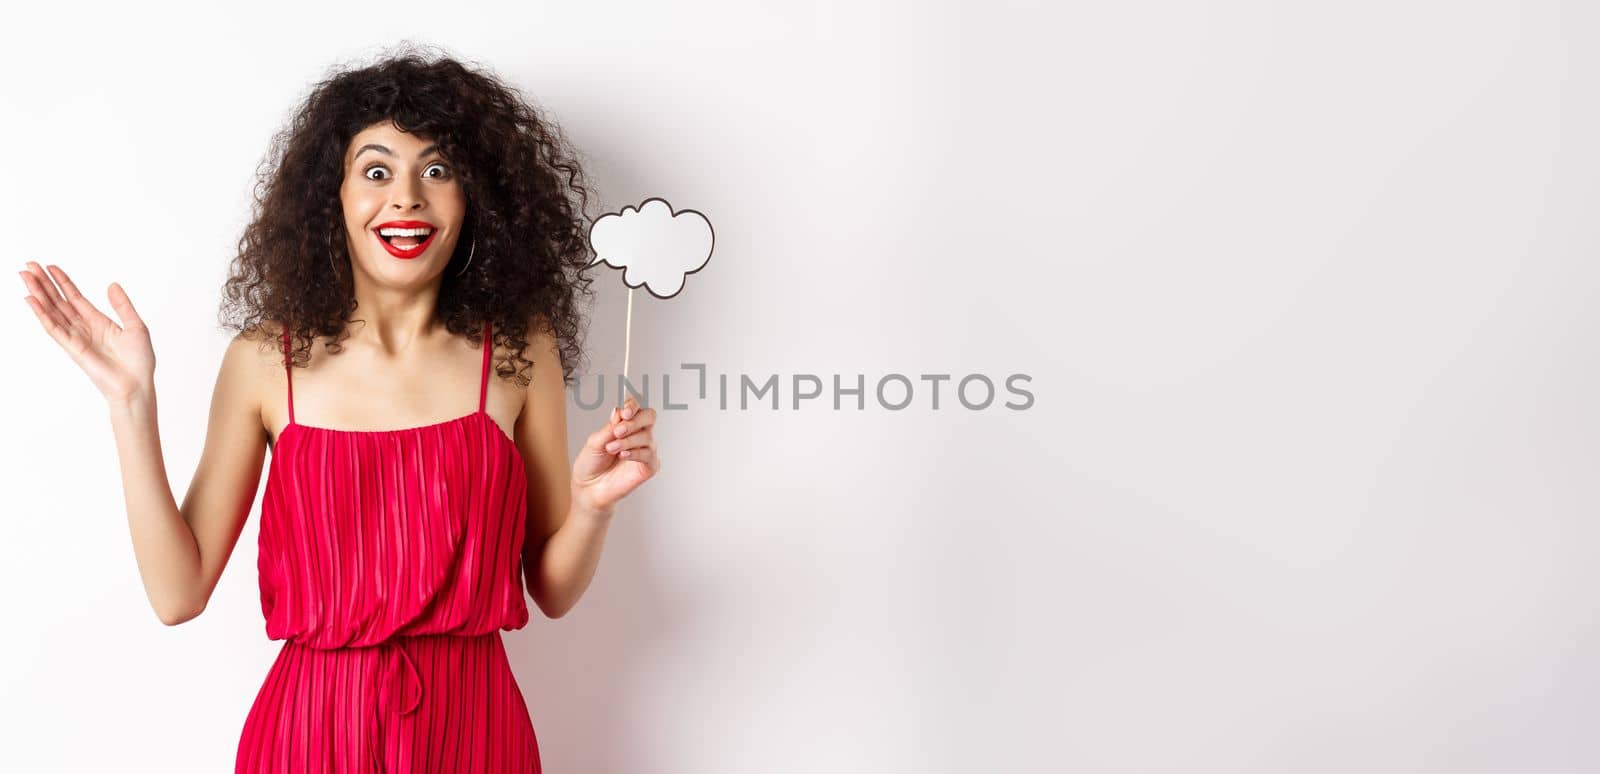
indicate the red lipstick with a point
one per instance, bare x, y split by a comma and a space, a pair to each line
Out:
406, 252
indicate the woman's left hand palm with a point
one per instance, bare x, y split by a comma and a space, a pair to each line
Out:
616, 459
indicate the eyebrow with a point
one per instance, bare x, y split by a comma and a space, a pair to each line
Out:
384, 150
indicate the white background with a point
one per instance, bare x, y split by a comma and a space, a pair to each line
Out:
1305, 292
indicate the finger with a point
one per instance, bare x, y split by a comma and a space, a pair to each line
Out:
642, 420
85, 309
621, 429
44, 289
52, 325
54, 293
36, 272
61, 328
124, 307
647, 456
596, 442
633, 441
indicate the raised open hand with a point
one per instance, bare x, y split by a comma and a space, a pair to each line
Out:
117, 358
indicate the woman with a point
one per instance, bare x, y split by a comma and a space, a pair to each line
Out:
398, 533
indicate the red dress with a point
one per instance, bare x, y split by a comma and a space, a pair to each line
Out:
390, 560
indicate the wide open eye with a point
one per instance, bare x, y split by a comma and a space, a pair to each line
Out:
442, 168
373, 168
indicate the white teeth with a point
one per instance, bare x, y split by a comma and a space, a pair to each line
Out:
416, 232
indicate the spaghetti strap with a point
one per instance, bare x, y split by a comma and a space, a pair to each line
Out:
488, 349
288, 372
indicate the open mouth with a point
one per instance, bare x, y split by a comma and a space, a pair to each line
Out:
405, 241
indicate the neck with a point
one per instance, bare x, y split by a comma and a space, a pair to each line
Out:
394, 319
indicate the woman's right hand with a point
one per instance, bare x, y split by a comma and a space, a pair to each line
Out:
118, 358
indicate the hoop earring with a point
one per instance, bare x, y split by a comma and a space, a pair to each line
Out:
331, 264
469, 257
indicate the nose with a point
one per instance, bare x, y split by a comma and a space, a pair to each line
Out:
407, 196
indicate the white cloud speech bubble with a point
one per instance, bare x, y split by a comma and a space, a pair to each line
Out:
655, 247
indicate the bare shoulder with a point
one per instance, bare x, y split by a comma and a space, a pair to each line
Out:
261, 334
543, 396
256, 349
252, 365
543, 351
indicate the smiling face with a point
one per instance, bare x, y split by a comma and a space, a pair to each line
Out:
403, 205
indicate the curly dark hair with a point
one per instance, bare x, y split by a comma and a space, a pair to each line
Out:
527, 199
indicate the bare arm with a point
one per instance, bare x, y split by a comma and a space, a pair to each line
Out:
570, 505
180, 552
558, 561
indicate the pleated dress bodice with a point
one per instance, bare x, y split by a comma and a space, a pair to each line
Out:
370, 534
